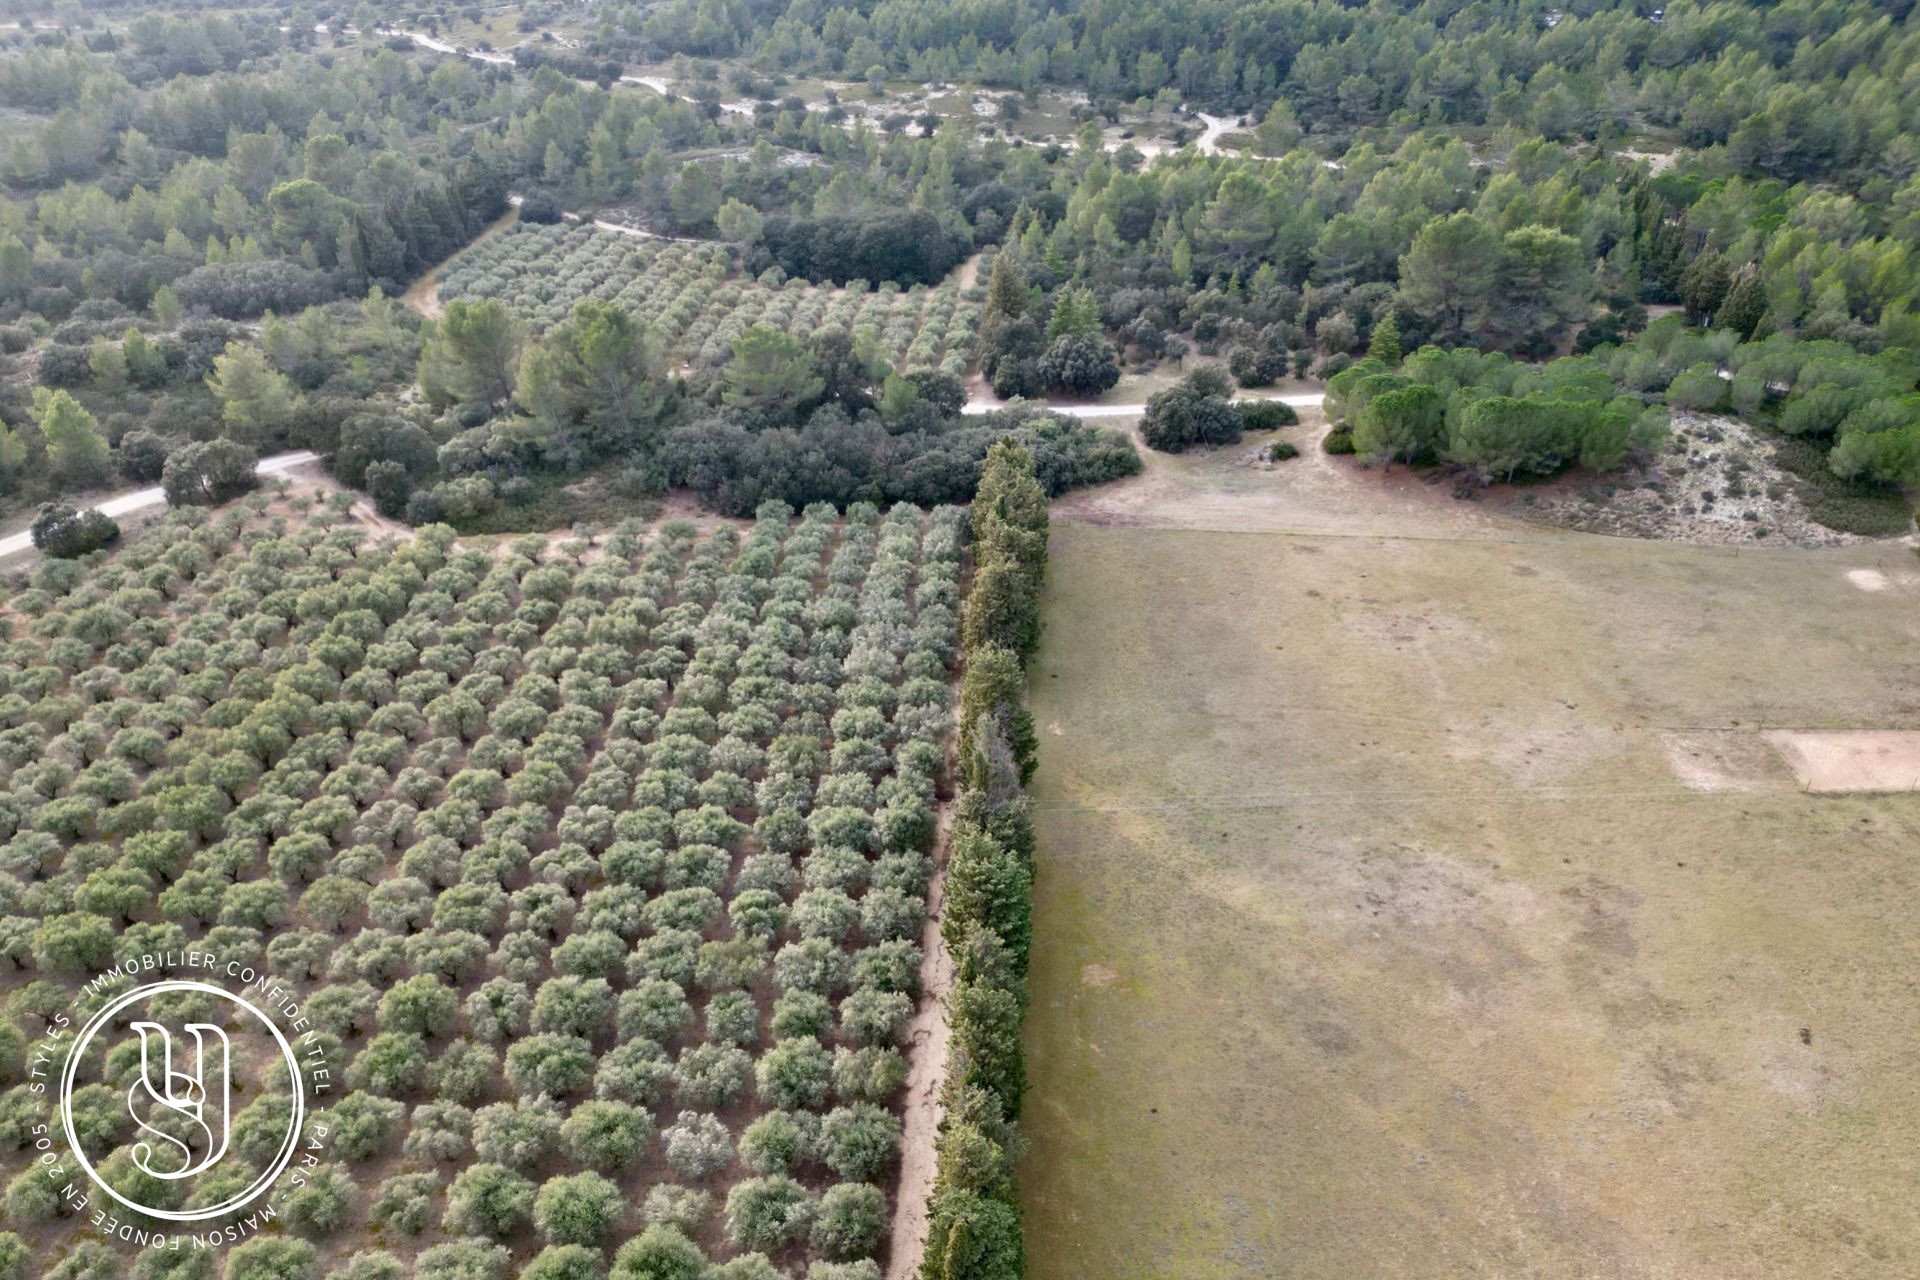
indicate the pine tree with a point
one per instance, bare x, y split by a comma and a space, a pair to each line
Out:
471, 355
1006, 288
1385, 345
1182, 259
770, 373
75, 450
1704, 285
1075, 314
13, 456
255, 399
166, 306
109, 365
1745, 306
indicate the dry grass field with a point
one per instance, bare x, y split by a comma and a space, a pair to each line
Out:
1419, 896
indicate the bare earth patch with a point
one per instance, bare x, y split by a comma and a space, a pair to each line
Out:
1883, 580
1869, 579
1232, 490
1851, 759
1717, 483
1722, 759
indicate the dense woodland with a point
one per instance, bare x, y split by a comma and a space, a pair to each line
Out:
208, 218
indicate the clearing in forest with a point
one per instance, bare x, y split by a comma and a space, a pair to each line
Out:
1417, 896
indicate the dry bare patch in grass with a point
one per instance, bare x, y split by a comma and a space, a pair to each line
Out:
1852, 759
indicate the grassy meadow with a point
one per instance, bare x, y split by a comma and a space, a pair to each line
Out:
1430, 907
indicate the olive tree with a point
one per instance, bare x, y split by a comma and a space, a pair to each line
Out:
489, 1200
584, 1208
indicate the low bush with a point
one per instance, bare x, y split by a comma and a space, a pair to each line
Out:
1266, 415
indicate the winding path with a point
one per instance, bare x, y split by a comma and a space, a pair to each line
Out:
141, 499
426, 41
1209, 141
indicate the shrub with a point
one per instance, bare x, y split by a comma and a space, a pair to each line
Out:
32, 1198
422, 1005
238, 290
462, 1260
1194, 411
712, 1075
777, 1141
14, 1257
669, 1204
1700, 388
539, 207
516, 1134
1257, 366
974, 1236
1080, 364
322, 1204
393, 1064
871, 1074
859, 1141
1266, 415
865, 1269
60, 531
793, 1075
557, 1065
208, 474
142, 455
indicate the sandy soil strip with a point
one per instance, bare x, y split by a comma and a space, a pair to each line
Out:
1851, 759
927, 1038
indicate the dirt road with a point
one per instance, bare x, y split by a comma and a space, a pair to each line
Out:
140, 499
